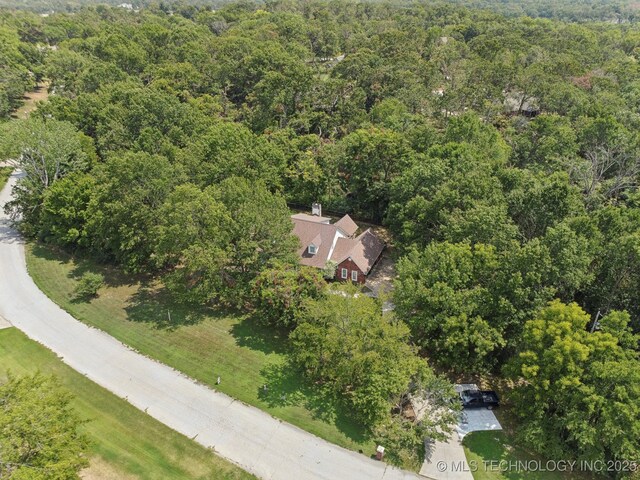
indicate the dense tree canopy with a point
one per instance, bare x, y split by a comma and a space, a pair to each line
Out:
46, 152
581, 389
504, 163
20, 67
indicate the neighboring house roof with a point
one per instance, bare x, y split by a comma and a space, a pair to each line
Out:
347, 225
335, 242
363, 250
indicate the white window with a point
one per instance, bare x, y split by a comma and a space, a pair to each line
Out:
313, 249
344, 273
354, 275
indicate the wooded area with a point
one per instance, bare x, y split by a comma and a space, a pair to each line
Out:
502, 153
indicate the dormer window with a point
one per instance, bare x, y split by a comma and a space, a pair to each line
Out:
312, 249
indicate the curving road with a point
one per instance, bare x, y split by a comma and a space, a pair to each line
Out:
248, 437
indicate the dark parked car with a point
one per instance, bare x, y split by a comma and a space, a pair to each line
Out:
479, 399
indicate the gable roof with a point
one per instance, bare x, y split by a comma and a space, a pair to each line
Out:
347, 225
317, 241
335, 242
322, 235
364, 250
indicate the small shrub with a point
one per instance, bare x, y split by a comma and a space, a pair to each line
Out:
89, 285
329, 270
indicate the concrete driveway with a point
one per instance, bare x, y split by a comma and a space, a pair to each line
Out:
477, 419
248, 437
446, 460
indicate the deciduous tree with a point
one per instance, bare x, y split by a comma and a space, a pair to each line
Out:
577, 391
40, 431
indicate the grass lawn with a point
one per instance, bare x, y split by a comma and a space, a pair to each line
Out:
5, 172
202, 343
126, 443
489, 448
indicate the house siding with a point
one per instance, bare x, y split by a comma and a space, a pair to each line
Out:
351, 267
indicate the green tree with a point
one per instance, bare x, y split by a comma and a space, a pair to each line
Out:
281, 293
227, 150
370, 159
192, 240
40, 431
617, 265
538, 201
123, 210
404, 438
216, 241
449, 193
46, 152
345, 340
578, 393
88, 285
573, 255
445, 295
18, 60
261, 230
64, 210
548, 142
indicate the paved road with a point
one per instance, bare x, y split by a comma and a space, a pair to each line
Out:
248, 437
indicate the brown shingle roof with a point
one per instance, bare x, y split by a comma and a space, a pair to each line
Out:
347, 225
321, 235
332, 244
363, 250
310, 218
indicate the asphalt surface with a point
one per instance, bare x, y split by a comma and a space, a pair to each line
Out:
247, 436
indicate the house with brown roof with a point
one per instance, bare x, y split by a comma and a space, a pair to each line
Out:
322, 242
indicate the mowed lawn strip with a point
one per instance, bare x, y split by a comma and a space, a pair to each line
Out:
125, 442
496, 458
202, 343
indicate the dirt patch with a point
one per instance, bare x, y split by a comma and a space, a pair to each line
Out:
382, 275
99, 469
31, 99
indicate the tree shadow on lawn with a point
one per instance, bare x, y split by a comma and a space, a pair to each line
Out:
250, 333
112, 277
154, 305
49, 253
82, 264
286, 387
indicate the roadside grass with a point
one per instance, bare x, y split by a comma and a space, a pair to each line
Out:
5, 173
202, 343
125, 442
487, 449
